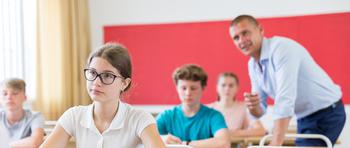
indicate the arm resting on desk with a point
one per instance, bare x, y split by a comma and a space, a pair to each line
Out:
33, 141
279, 130
151, 138
57, 139
220, 140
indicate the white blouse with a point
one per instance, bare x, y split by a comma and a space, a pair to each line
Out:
124, 131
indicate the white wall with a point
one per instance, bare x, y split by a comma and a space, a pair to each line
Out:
120, 12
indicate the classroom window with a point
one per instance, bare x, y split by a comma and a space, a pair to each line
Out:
18, 41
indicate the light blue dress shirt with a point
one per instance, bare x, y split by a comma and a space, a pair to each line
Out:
289, 75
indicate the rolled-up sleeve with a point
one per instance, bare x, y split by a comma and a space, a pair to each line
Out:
287, 59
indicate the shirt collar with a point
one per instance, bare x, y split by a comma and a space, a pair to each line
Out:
117, 122
18, 123
264, 53
198, 113
87, 119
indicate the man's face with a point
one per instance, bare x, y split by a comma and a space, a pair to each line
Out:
12, 99
189, 92
247, 37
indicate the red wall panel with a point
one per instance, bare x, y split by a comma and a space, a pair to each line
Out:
158, 49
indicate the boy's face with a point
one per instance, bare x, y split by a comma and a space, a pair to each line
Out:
189, 92
12, 99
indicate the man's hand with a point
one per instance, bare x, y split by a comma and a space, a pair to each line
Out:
252, 101
171, 139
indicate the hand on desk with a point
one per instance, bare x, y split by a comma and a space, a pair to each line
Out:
171, 139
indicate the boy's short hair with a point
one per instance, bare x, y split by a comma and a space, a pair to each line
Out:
190, 72
14, 83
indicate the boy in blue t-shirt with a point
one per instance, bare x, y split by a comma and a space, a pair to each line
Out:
24, 128
192, 123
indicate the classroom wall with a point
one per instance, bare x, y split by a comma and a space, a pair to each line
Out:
106, 14
159, 34
157, 49
119, 12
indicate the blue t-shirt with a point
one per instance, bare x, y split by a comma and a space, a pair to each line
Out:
24, 128
203, 125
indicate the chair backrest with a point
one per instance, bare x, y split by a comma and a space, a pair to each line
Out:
307, 136
49, 126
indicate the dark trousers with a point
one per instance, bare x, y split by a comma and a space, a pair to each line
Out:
328, 122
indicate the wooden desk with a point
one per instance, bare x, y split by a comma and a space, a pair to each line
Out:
238, 142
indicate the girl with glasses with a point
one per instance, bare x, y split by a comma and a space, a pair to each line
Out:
107, 122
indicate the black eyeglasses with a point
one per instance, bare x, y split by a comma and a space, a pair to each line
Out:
106, 78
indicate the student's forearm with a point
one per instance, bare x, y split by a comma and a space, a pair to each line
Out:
150, 137
29, 142
57, 139
279, 131
211, 143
